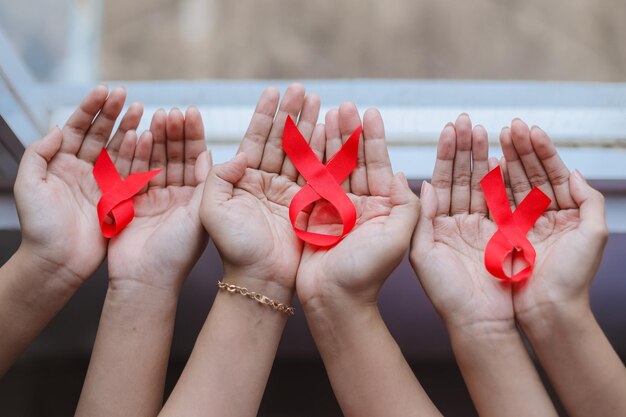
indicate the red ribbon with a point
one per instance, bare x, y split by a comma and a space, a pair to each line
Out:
117, 194
512, 227
323, 181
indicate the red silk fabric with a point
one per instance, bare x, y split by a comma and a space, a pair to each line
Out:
323, 181
117, 194
512, 226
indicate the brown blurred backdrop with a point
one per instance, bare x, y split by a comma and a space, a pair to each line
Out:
480, 39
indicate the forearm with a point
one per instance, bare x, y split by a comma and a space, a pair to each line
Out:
32, 292
231, 361
497, 369
367, 370
587, 374
128, 364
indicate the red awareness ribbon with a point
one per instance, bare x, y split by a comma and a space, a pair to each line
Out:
512, 226
117, 194
323, 181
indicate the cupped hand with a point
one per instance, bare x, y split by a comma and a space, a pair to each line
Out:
387, 210
245, 207
165, 238
570, 236
448, 246
55, 191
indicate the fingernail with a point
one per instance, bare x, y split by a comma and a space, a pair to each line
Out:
424, 188
579, 175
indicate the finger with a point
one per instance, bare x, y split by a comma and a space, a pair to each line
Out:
504, 169
175, 133
349, 120
203, 166
143, 152
291, 104
130, 121
333, 141
253, 142
442, 173
124, 159
98, 134
537, 176
221, 180
520, 185
195, 144
592, 212
554, 167
404, 213
158, 157
80, 121
34, 164
462, 166
424, 235
480, 168
318, 145
377, 163
493, 163
306, 124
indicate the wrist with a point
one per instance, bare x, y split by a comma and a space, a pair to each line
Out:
276, 290
546, 317
337, 307
130, 290
156, 283
486, 333
321, 291
27, 261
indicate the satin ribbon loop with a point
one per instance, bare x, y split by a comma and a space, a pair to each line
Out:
117, 194
323, 182
512, 226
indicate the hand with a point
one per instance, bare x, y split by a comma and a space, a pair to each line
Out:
387, 211
245, 207
165, 239
570, 236
55, 191
448, 246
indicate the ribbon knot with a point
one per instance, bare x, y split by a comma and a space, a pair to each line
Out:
512, 226
117, 194
323, 181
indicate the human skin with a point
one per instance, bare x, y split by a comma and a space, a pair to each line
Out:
245, 210
338, 287
552, 307
477, 309
56, 198
148, 262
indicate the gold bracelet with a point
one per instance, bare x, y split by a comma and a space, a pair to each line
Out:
231, 288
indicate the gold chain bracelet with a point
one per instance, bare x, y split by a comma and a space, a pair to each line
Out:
260, 298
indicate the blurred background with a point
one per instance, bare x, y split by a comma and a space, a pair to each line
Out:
578, 40
560, 64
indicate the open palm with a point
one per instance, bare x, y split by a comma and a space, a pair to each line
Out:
453, 231
570, 236
246, 200
386, 214
56, 193
167, 219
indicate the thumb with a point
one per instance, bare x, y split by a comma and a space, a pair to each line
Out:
34, 164
591, 203
203, 166
405, 210
222, 178
424, 235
